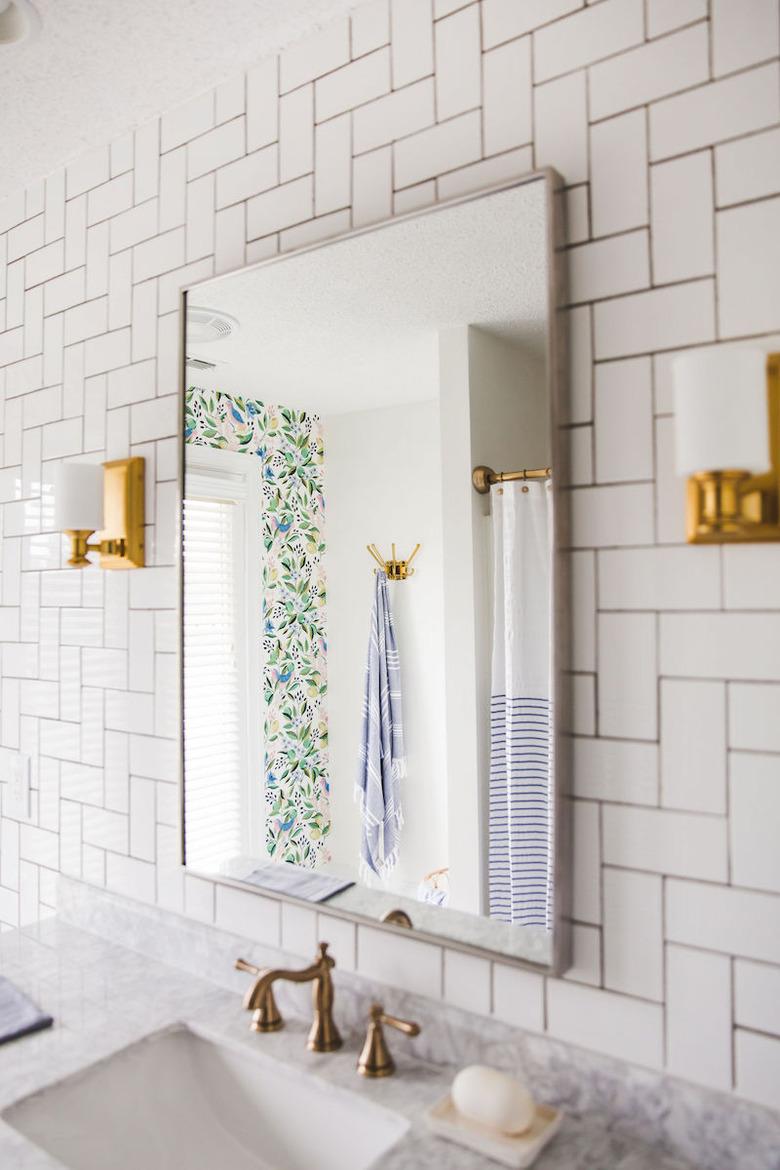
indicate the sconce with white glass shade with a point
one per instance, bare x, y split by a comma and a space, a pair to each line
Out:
727, 440
105, 498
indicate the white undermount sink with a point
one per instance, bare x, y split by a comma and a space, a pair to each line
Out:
178, 1100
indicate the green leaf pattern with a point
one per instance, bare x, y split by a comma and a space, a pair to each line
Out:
289, 443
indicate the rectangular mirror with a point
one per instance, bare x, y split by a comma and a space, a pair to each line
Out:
372, 602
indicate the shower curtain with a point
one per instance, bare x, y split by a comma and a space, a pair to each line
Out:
520, 718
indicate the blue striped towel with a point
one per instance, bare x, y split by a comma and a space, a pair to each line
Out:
382, 756
18, 1014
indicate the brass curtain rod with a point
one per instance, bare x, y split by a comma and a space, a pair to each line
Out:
482, 477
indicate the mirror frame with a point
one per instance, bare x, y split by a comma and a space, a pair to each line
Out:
556, 357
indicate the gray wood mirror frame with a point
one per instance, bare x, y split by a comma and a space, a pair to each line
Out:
362, 731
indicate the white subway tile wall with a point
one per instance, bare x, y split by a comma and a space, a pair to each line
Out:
665, 126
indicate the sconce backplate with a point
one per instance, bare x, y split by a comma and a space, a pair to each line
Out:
123, 513
728, 507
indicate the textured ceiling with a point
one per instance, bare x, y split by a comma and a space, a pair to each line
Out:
353, 325
101, 67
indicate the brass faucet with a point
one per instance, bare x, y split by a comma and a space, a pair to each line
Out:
266, 1017
375, 1059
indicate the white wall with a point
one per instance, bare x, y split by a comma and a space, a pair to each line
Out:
382, 484
674, 229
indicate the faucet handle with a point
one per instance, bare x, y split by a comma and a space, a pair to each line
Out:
250, 968
375, 1059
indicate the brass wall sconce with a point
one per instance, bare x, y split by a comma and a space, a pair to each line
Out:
107, 499
396, 570
727, 434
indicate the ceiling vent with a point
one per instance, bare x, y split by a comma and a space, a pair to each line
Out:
205, 326
199, 363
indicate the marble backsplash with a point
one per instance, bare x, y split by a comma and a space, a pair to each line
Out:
711, 1130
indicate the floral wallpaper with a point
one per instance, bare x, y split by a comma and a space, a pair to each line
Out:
289, 443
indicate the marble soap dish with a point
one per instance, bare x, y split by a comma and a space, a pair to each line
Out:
517, 1151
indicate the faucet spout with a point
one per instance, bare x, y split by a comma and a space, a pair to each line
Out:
324, 1035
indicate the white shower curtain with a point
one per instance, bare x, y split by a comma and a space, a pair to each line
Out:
520, 742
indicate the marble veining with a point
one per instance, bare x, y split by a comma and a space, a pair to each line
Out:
105, 996
93, 967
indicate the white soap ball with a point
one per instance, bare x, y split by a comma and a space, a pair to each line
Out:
493, 1099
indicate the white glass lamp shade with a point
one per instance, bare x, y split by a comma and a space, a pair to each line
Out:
78, 497
721, 411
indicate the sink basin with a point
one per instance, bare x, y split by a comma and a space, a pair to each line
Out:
179, 1100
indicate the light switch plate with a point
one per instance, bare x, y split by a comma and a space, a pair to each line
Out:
17, 789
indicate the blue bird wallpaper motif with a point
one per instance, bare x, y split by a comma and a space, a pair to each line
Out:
289, 443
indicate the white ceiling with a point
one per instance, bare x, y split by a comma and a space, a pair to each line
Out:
102, 67
353, 325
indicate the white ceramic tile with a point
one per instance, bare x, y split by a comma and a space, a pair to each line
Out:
321, 228
27, 237
626, 1028
75, 232
122, 150
586, 862
503, 20
110, 199
405, 963
230, 99
394, 116
577, 214
650, 71
627, 675
216, 148
199, 898
579, 461
633, 933
353, 85
664, 318
467, 982
618, 164
754, 806
134, 879
747, 168
749, 268
279, 208
612, 515
262, 104
248, 915
442, 148
698, 1017
735, 645
333, 165
561, 127
757, 996
370, 26
586, 955
693, 745
247, 176
660, 578
54, 211
743, 36
609, 267
372, 187
678, 843
754, 716
188, 121
682, 218
314, 56
512, 164
458, 65
624, 419
587, 36
296, 134
200, 218
140, 223
664, 16
713, 113
518, 997
670, 488
173, 189
615, 769
757, 1067
142, 819
341, 937
299, 930
411, 38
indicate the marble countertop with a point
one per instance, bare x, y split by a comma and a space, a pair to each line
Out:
104, 997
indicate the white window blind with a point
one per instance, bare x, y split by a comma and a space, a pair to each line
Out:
213, 680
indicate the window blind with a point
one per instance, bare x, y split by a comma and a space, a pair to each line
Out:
213, 680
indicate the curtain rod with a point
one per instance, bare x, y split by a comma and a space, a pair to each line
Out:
482, 477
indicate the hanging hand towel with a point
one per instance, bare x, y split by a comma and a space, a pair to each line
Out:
382, 758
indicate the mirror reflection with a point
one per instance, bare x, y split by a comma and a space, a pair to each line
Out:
368, 574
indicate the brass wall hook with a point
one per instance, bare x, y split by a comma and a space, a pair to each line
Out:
375, 1059
396, 570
